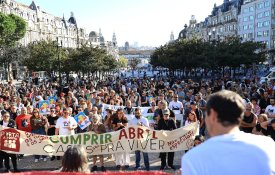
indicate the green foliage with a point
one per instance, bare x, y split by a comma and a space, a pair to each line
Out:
44, 57
134, 62
189, 54
12, 29
123, 62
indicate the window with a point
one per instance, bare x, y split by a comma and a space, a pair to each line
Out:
267, 4
260, 5
266, 33
266, 23
259, 34
250, 26
250, 35
260, 15
267, 14
245, 10
259, 24
251, 18
230, 27
245, 27
245, 19
251, 9
245, 36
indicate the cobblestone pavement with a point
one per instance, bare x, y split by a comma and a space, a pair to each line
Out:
28, 164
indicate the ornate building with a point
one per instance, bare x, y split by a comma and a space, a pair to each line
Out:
221, 23
44, 26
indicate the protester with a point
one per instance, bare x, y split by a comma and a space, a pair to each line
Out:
258, 130
75, 160
192, 118
166, 123
52, 119
8, 122
39, 125
123, 158
224, 112
249, 120
23, 121
139, 120
269, 127
65, 125
98, 127
270, 109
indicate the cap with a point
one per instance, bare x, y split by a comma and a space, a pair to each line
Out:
166, 112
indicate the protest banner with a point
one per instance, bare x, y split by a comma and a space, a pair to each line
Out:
128, 139
44, 107
82, 120
52, 101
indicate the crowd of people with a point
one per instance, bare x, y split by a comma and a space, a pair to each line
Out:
165, 96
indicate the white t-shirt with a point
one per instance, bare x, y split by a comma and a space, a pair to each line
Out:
239, 153
142, 120
270, 110
63, 123
175, 105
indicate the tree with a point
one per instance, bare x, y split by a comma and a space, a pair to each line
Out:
122, 62
194, 54
13, 54
12, 29
134, 62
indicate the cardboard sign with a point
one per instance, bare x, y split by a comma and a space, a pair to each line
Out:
82, 120
44, 107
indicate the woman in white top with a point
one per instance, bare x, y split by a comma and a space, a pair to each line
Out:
192, 118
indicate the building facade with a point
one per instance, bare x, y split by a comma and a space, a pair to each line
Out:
44, 26
256, 22
222, 23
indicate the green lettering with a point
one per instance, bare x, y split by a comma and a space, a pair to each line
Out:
62, 139
94, 139
54, 139
76, 139
86, 138
108, 138
101, 138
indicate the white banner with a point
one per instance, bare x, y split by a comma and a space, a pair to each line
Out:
126, 140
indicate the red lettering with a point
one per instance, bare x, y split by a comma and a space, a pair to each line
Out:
154, 135
139, 133
122, 134
132, 133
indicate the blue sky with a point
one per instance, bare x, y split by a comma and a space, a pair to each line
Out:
148, 22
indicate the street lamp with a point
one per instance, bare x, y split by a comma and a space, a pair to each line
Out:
59, 45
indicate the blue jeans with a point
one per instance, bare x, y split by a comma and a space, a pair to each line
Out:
40, 131
146, 160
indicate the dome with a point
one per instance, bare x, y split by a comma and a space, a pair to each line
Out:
93, 34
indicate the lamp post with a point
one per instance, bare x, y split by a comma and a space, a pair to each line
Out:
58, 58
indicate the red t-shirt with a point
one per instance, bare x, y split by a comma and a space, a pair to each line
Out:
23, 122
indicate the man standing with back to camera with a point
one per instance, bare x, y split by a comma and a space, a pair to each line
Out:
229, 151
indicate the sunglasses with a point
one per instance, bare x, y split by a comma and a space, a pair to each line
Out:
35, 112
52, 111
